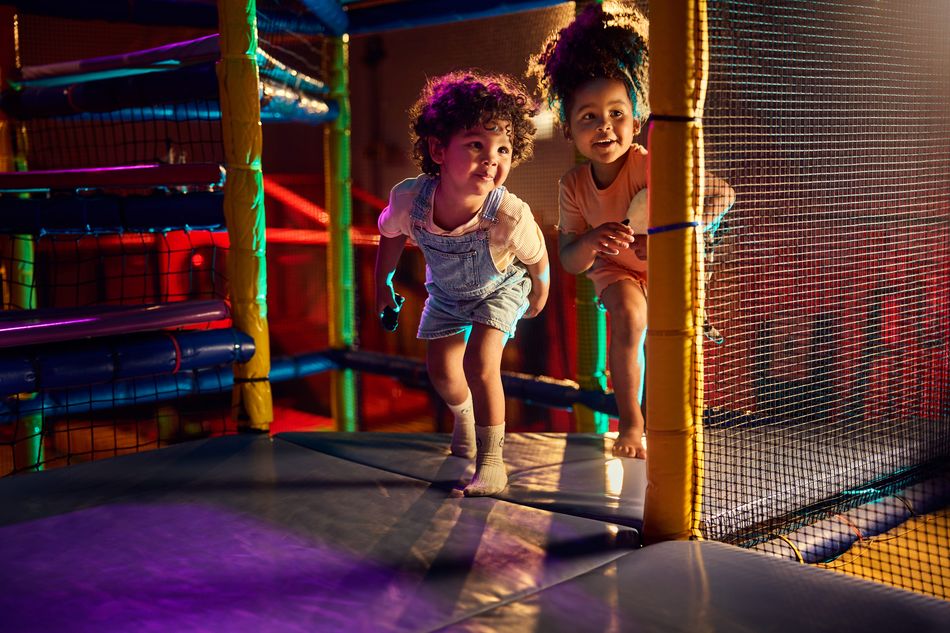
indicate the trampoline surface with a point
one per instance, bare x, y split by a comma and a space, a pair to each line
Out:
366, 532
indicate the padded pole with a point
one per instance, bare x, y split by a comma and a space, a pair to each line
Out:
591, 355
339, 202
244, 206
591, 337
18, 292
674, 381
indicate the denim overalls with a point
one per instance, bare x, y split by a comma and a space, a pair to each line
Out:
463, 283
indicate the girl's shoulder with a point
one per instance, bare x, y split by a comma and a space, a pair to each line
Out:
637, 156
636, 167
574, 176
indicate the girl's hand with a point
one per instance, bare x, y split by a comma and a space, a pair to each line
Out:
609, 238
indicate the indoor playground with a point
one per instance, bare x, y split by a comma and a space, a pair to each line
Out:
204, 425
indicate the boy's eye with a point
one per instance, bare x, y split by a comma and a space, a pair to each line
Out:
504, 150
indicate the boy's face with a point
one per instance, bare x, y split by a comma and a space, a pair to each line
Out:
475, 161
601, 121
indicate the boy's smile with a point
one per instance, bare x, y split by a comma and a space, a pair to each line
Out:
474, 161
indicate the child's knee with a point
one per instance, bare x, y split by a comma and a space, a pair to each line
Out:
628, 321
478, 372
443, 378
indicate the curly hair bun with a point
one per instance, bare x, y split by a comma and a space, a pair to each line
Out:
596, 45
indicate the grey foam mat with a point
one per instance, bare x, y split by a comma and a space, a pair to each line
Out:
567, 473
692, 586
249, 534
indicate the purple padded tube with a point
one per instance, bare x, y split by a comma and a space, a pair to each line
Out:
33, 327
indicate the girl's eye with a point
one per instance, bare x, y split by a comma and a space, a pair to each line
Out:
504, 150
617, 113
475, 145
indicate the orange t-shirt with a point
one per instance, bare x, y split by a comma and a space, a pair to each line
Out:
582, 206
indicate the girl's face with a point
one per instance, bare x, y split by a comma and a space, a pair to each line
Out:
475, 161
601, 121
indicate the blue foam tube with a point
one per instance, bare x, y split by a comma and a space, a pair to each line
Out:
112, 214
104, 360
542, 390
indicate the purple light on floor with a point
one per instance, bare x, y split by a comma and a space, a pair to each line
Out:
181, 567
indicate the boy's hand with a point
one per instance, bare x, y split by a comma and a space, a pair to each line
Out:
392, 303
609, 238
386, 298
537, 298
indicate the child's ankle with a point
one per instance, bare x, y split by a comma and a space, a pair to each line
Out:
463, 428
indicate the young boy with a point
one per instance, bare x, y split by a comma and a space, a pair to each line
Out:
486, 262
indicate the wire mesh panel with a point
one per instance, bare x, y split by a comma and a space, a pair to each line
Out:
828, 280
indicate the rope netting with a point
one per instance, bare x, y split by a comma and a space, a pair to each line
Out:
92, 98
829, 284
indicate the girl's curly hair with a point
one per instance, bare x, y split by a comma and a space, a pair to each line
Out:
463, 99
596, 45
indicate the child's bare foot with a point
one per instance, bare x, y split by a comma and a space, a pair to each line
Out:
629, 443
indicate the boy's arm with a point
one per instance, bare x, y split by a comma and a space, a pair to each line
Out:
540, 273
387, 256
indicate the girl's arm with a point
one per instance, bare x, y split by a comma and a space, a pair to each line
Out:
578, 252
387, 256
540, 285
718, 199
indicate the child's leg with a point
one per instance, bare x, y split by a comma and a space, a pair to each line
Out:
444, 362
627, 306
482, 365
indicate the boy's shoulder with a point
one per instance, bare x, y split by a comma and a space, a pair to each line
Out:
409, 186
404, 193
513, 206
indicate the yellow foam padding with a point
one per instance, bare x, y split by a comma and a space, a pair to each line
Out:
244, 204
914, 555
678, 57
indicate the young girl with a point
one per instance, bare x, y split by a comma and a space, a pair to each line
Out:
593, 74
486, 262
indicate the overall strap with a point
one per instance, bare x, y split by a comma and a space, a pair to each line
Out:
492, 202
422, 204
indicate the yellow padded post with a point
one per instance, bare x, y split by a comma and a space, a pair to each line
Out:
238, 84
674, 343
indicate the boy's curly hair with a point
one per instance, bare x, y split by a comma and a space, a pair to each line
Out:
596, 45
461, 100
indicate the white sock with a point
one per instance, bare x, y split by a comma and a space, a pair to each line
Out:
463, 431
490, 475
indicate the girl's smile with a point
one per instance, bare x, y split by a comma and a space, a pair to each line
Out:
602, 126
